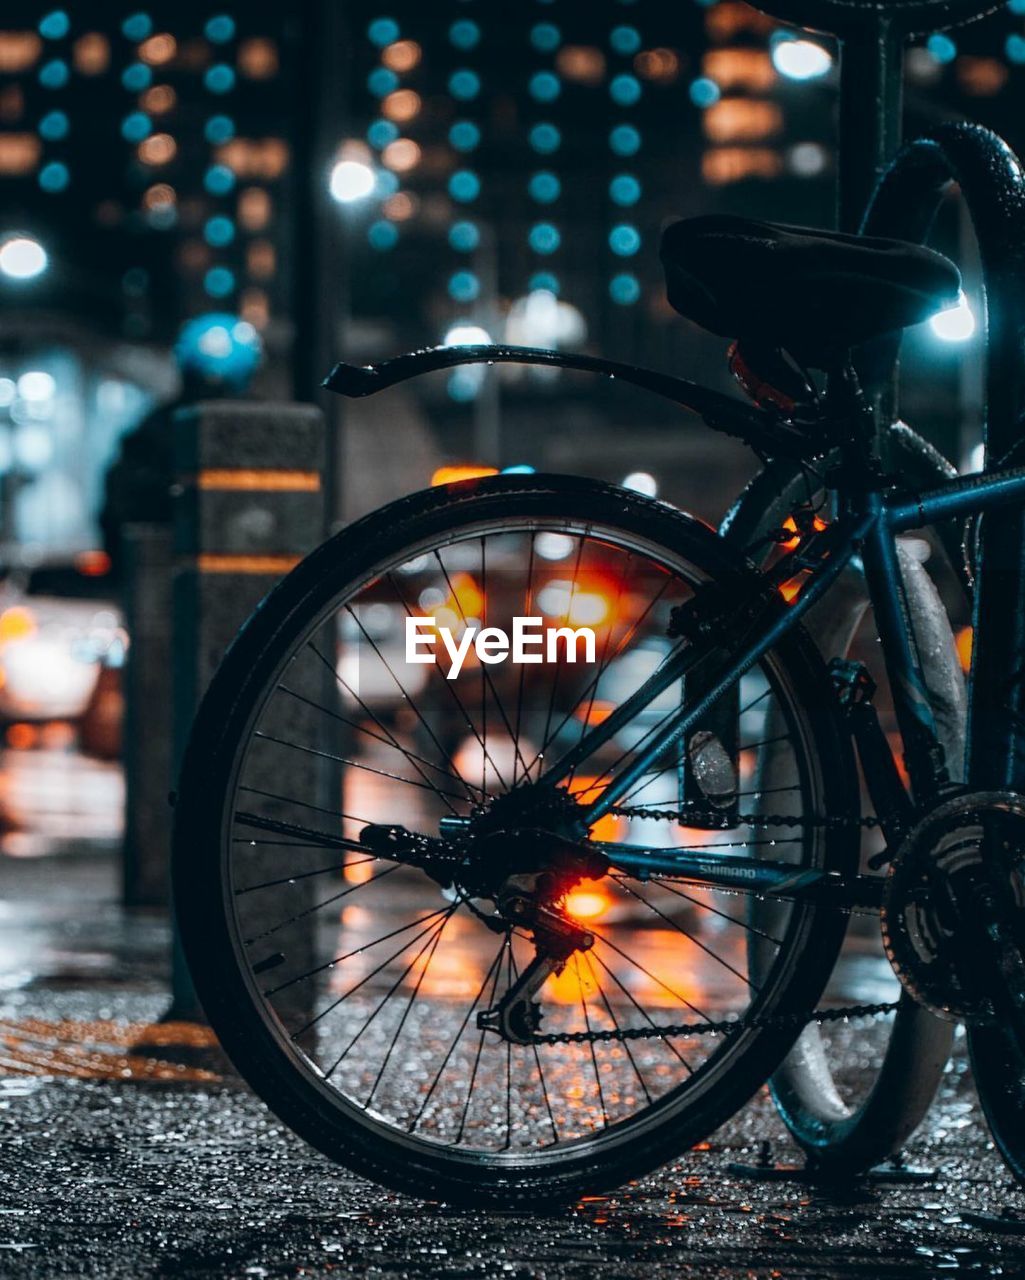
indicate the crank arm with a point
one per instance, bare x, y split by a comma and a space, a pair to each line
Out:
749, 875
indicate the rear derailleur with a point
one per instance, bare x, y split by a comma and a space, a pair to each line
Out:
517, 1016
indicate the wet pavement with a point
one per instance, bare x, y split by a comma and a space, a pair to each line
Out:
130, 1150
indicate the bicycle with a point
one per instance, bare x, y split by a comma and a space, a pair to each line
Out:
503, 856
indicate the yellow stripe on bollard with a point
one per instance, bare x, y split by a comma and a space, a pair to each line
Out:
253, 481
267, 565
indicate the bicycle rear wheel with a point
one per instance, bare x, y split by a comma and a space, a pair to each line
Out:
346, 987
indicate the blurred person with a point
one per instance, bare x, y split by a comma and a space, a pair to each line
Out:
217, 355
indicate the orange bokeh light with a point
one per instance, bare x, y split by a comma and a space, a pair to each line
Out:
17, 623
588, 901
466, 471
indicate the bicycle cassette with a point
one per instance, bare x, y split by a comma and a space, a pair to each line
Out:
967, 849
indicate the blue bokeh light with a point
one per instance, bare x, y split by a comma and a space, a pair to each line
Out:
137, 77
624, 289
464, 135
624, 190
464, 236
624, 240
464, 186
220, 28
383, 31
544, 187
1014, 47
463, 286
137, 26
381, 132
704, 92
219, 345
463, 385
55, 25
136, 126
464, 84
464, 34
544, 237
54, 177
219, 180
545, 37
54, 74
382, 81
383, 235
625, 140
545, 138
625, 40
942, 48
220, 78
219, 231
219, 282
544, 280
544, 86
54, 126
625, 90
219, 129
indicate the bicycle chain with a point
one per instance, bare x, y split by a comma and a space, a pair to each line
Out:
729, 1026
726, 1026
716, 821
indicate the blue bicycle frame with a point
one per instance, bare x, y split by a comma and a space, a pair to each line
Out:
868, 528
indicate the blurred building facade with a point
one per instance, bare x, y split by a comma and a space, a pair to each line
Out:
509, 169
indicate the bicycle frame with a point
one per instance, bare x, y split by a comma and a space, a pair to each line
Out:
870, 531
872, 520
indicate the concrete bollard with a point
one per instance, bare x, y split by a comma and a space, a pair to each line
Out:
248, 505
148, 727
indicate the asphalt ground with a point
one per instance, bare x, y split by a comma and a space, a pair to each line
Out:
130, 1149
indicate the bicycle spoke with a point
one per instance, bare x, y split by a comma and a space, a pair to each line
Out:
476, 1059
590, 1043
337, 960
458, 1036
386, 736
453, 767
690, 938
303, 875
368, 977
316, 839
335, 897
432, 943
356, 764
642, 1011
707, 906
615, 1023
450, 685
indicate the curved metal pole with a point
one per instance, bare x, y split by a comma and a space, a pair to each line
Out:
992, 185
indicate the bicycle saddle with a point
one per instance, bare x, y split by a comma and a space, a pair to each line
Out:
815, 293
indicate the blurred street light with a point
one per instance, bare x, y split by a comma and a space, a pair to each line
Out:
801, 59
351, 180
466, 335
641, 482
22, 257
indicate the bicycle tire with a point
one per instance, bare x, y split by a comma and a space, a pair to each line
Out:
203, 892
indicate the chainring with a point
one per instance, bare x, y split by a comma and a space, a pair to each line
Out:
967, 848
